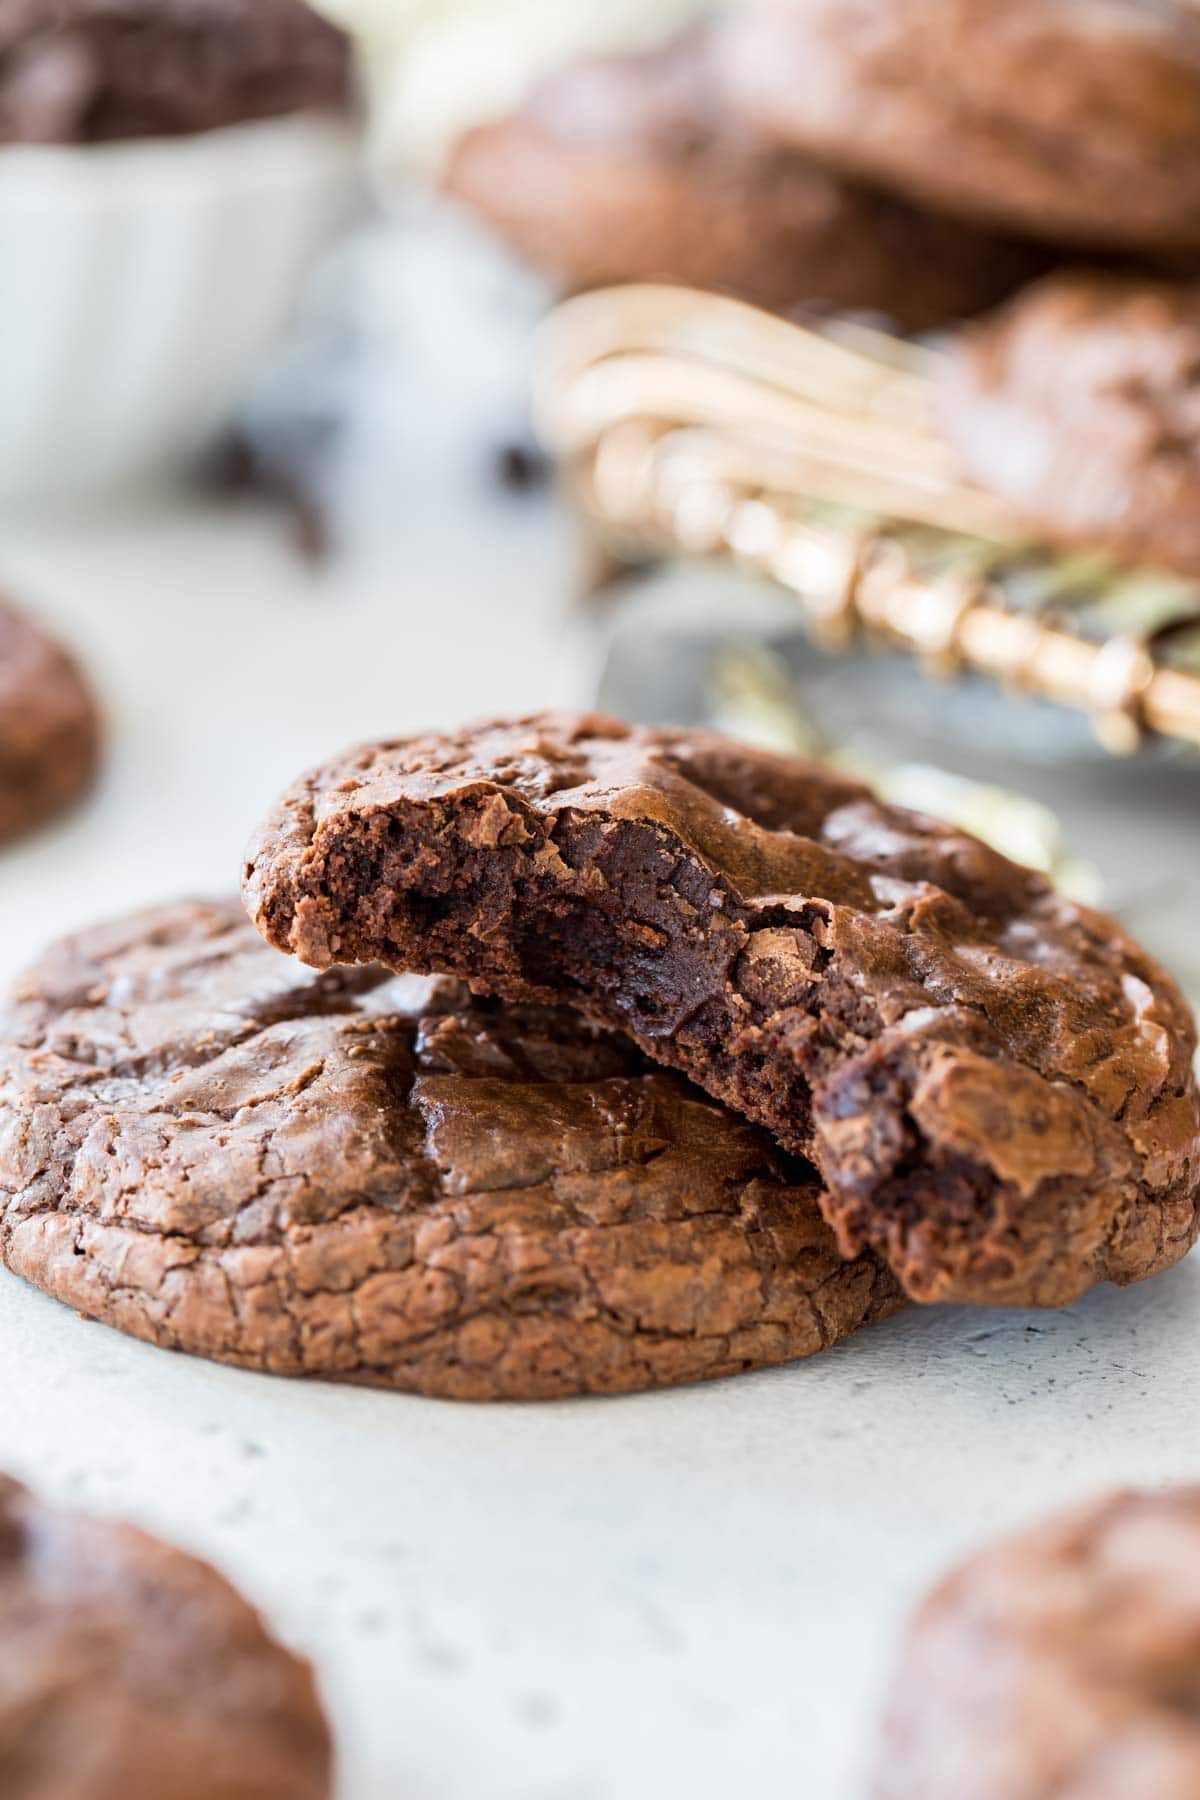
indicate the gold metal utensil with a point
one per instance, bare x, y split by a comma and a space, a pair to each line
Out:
689, 424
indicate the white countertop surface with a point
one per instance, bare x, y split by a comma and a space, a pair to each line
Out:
693, 1593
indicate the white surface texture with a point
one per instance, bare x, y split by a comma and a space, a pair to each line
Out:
684, 1594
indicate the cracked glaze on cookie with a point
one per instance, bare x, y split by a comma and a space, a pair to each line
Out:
356, 1175
1060, 1665
130, 1671
995, 1082
49, 726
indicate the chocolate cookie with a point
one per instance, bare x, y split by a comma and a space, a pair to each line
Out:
49, 726
630, 169
1059, 1665
381, 1179
1074, 120
77, 71
1080, 403
129, 1671
995, 1082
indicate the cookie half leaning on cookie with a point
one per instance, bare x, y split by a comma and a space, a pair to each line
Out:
384, 1180
1060, 1664
130, 1671
1077, 121
49, 726
631, 168
995, 1083
1079, 402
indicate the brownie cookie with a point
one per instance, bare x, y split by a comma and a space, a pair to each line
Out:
129, 1671
1080, 403
1059, 1665
380, 1179
629, 169
49, 727
995, 1083
1074, 120
78, 71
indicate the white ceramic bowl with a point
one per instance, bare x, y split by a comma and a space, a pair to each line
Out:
141, 281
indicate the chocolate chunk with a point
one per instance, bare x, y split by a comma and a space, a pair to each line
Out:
1074, 120
995, 1082
129, 1669
632, 169
1080, 403
49, 727
381, 1179
1059, 1665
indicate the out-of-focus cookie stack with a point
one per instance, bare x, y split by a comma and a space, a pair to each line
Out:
644, 167
1077, 124
910, 159
1021, 180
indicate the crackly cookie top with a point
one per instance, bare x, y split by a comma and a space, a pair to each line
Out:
1060, 1664
353, 1174
634, 168
49, 726
1076, 120
130, 1670
1080, 403
77, 71
995, 1081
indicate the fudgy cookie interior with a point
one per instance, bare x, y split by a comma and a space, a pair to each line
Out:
994, 1082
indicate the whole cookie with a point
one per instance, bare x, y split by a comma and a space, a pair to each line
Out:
995, 1083
49, 726
1075, 120
78, 71
1059, 1665
384, 1180
1080, 403
631, 169
129, 1671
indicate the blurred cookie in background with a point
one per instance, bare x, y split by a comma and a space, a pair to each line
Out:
1059, 1662
1077, 121
629, 168
156, 157
49, 726
1079, 402
81, 71
129, 1669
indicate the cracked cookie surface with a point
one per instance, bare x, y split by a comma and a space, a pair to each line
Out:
631, 168
49, 726
380, 1179
995, 1082
131, 1671
1058, 1665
